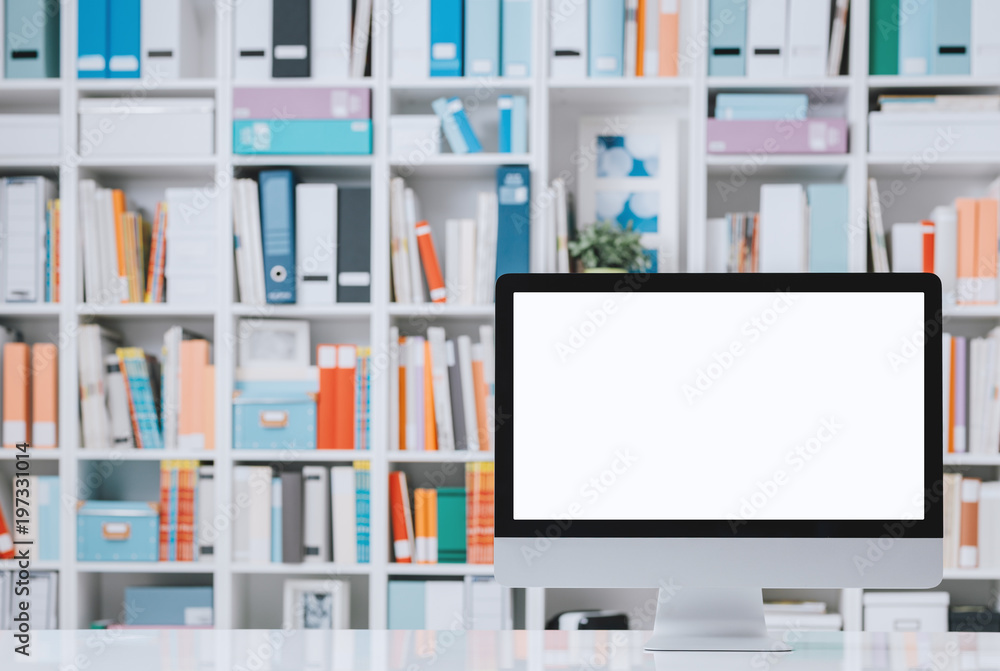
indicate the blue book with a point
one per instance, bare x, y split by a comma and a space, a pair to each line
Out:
519, 126
362, 507
168, 606
916, 37
953, 38
277, 223
123, 40
756, 106
303, 136
276, 529
456, 140
31, 42
482, 38
92, 39
516, 38
46, 494
727, 39
513, 219
505, 104
462, 121
446, 38
406, 604
828, 228
606, 38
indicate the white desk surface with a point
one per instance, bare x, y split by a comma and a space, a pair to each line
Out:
210, 650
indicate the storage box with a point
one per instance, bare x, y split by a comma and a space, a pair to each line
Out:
274, 415
168, 606
784, 136
973, 619
303, 136
413, 137
906, 611
319, 102
29, 135
942, 133
150, 127
117, 531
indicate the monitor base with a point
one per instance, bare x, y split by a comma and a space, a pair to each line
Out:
711, 618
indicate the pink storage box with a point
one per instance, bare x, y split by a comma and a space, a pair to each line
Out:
302, 103
777, 136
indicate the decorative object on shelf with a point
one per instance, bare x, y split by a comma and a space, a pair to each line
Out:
317, 604
605, 247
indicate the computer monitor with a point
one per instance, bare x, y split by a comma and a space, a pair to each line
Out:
713, 435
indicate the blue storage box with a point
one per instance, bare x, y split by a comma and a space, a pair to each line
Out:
117, 531
168, 606
275, 415
303, 136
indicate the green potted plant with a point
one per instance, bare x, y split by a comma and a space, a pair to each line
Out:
605, 247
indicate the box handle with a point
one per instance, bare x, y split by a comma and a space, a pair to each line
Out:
116, 531
273, 419
909, 624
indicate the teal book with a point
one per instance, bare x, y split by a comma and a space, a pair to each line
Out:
406, 604
883, 38
451, 525
828, 228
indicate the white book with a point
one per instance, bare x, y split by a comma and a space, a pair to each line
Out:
394, 352
946, 250
414, 387
242, 251
344, 515
989, 525
468, 392
170, 369
651, 57
486, 246
205, 514
316, 244
315, 514
23, 260
489, 378
946, 388
241, 525
442, 389
985, 39
783, 229
488, 604
362, 33
716, 245
258, 514
808, 38
562, 224
467, 254
876, 229
568, 47
253, 39
766, 46
631, 37
411, 41
993, 421
952, 517
907, 248
974, 399
251, 207
117, 282
968, 555
94, 345
410, 219
330, 30
93, 281
444, 604
190, 266
453, 260
545, 215
991, 348
170, 39
400, 242
121, 424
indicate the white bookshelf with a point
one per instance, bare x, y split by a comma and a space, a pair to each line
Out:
446, 185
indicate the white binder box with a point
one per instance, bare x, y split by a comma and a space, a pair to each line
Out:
906, 611
34, 135
954, 133
150, 127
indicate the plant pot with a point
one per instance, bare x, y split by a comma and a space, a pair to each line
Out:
604, 270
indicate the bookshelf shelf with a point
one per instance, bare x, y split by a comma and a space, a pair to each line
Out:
29, 309
11, 564
144, 567
972, 460
796, 85
459, 85
797, 167
142, 310
971, 574
440, 569
936, 164
17, 85
459, 165
442, 310
324, 568
29, 162
40, 454
356, 310
149, 86
298, 456
876, 82
438, 457
133, 454
973, 312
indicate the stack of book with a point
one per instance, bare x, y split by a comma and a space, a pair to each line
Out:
180, 487
971, 396
772, 123
971, 516
29, 393
301, 243
42, 600
29, 240
40, 538
297, 516
476, 603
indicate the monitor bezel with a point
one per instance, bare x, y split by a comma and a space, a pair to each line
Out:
928, 284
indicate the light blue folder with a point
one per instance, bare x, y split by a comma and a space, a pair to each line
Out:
446, 38
277, 225
606, 38
727, 38
482, 38
755, 106
92, 39
452, 133
513, 219
916, 37
123, 41
516, 38
34, 53
519, 126
828, 222
406, 604
462, 121
303, 136
47, 496
953, 38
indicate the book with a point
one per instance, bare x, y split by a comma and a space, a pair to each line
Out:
401, 518
430, 264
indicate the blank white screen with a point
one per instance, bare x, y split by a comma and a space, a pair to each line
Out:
811, 406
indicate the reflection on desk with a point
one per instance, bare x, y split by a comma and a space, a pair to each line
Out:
457, 650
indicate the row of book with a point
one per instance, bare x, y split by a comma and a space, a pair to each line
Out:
462, 139
313, 515
131, 399
39, 537
444, 525
772, 123
41, 602
29, 240
476, 603
128, 259
29, 393
934, 37
477, 251
771, 39
971, 516
971, 399
301, 243
799, 228
441, 391
187, 499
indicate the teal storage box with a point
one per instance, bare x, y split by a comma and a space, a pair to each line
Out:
117, 531
275, 415
168, 606
303, 136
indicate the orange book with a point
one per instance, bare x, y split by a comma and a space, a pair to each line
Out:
968, 539
471, 510
486, 512
429, 260
44, 394
402, 394
166, 475
344, 397
402, 520
431, 523
191, 417
928, 240
430, 428
421, 523
16, 394
965, 287
326, 361
640, 21
479, 384
118, 211
951, 399
669, 37
187, 474
208, 381
986, 250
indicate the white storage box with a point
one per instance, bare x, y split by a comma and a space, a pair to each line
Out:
150, 127
936, 133
35, 135
906, 611
414, 136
